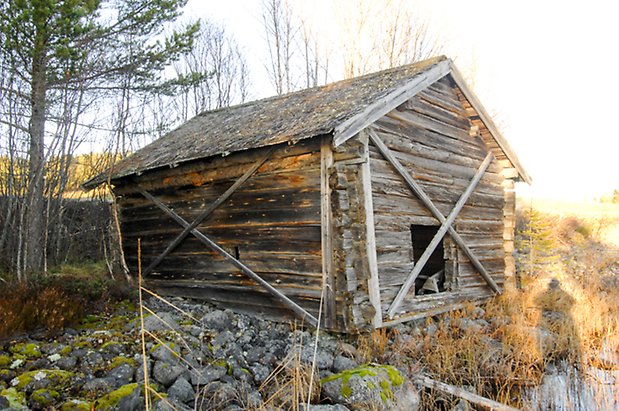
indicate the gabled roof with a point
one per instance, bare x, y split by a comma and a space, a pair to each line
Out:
342, 108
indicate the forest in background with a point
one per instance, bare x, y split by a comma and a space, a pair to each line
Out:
117, 74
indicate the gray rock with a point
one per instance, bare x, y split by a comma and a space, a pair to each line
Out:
165, 322
324, 407
139, 371
99, 385
70, 332
223, 338
176, 406
67, 363
341, 363
242, 374
79, 353
181, 390
217, 320
4, 403
324, 359
123, 373
166, 373
347, 349
255, 354
372, 387
260, 372
92, 359
168, 353
218, 395
268, 359
113, 348
207, 375
38, 364
131, 402
254, 400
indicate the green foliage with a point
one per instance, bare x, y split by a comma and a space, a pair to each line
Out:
56, 301
536, 242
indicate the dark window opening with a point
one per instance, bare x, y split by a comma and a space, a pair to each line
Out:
236, 254
432, 277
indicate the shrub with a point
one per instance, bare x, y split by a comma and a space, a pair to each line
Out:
57, 300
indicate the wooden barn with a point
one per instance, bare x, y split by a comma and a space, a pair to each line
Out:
381, 199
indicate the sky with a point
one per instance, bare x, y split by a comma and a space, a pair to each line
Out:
544, 69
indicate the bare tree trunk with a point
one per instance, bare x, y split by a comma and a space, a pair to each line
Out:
34, 241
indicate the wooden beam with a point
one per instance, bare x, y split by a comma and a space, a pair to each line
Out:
487, 120
326, 231
220, 200
438, 237
376, 110
416, 188
370, 235
459, 392
302, 313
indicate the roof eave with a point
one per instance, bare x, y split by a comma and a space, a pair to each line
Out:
487, 120
376, 110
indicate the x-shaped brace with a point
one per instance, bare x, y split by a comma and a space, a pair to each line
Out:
220, 200
446, 223
191, 229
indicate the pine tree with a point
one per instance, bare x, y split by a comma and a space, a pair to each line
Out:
49, 46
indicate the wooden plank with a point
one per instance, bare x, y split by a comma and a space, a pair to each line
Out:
326, 161
208, 175
462, 393
302, 313
208, 211
438, 237
428, 202
374, 111
487, 120
370, 239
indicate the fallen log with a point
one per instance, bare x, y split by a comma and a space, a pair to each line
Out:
459, 392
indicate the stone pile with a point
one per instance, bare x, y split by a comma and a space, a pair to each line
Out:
197, 357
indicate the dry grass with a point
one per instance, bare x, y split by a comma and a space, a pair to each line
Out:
567, 309
56, 300
288, 386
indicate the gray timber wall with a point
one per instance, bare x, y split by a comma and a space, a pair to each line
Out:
272, 222
432, 136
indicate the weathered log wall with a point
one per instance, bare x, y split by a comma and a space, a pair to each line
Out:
315, 214
433, 137
349, 184
272, 223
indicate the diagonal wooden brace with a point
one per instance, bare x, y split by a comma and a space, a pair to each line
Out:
220, 200
302, 313
438, 237
416, 188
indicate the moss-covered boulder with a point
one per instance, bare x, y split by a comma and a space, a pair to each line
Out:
16, 399
76, 405
371, 385
43, 398
111, 400
5, 361
27, 350
37, 379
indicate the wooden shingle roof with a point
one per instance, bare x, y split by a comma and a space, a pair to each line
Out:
341, 108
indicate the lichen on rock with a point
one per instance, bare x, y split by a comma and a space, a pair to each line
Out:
109, 401
375, 384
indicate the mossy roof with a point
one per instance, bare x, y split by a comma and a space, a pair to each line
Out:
287, 118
